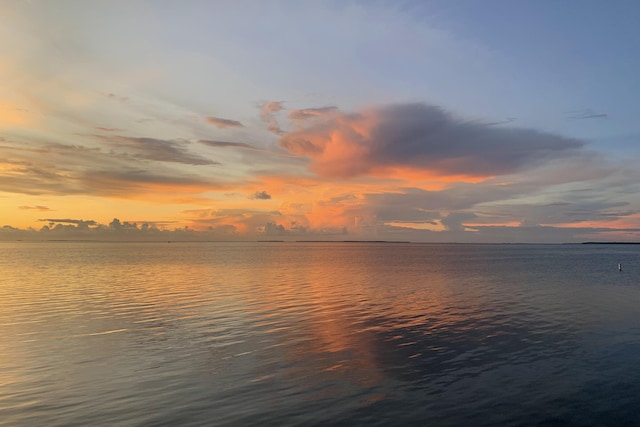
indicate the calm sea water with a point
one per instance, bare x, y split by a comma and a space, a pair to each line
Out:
151, 334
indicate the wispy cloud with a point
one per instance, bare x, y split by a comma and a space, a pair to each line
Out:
105, 129
225, 144
119, 167
585, 114
502, 122
174, 151
268, 115
308, 113
35, 208
129, 183
40, 179
223, 123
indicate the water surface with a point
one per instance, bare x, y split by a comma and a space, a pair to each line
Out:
318, 333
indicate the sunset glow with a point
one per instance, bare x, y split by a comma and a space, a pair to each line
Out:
435, 129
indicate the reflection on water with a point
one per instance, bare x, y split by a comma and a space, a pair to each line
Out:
317, 333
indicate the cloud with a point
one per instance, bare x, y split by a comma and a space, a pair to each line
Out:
35, 208
78, 229
225, 144
104, 129
174, 151
585, 114
260, 195
269, 110
50, 168
272, 107
245, 221
271, 228
37, 180
308, 113
418, 137
502, 122
223, 123
139, 183
78, 222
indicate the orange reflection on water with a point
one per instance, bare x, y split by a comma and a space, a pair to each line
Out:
346, 329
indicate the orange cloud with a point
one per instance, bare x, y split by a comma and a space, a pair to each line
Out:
320, 204
493, 224
423, 140
623, 222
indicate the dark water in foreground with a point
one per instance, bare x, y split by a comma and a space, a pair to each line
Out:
318, 333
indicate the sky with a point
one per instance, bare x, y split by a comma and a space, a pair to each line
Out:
493, 121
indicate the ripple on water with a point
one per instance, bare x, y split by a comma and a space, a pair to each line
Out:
310, 334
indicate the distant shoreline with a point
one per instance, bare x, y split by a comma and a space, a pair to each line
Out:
310, 241
611, 243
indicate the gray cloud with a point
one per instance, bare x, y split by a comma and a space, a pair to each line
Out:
273, 229
174, 151
585, 114
223, 123
225, 144
104, 129
260, 195
38, 168
123, 183
502, 122
420, 137
37, 180
78, 222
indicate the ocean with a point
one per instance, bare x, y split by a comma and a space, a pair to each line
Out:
275, 333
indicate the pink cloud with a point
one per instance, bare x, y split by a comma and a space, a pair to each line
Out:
269, 110
416, 138
223, 123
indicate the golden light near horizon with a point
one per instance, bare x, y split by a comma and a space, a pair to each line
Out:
150, 123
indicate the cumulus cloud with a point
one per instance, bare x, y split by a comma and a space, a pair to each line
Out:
419, 137
260, 195
223, 123
272, 229
245, 221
